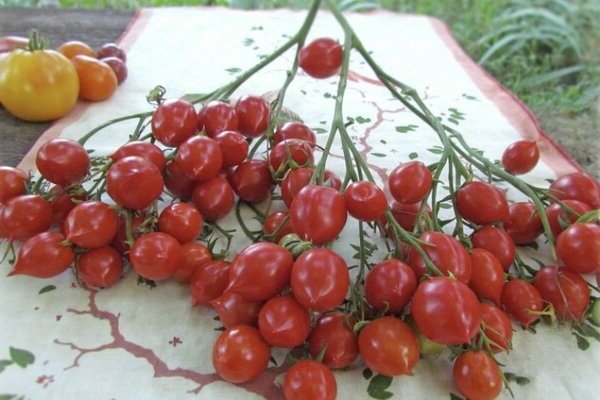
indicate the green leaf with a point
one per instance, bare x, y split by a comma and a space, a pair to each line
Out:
367, 373
4, 364
518, 379
362, 120
380, 155
454, 121
469, 97
588, 331
435, 150
233, 70
7, 396
378, 385
383, 141
406, 128
582, 343
455, 397
248, 41
47, 289
319, 130
445, 206
413, 155
21, 357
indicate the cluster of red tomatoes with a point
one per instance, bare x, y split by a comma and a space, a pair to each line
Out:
267, 296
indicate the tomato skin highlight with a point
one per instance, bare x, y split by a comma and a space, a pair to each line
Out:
308, 379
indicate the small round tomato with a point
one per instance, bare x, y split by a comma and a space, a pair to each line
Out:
193, 256
118, 66
562, 215
389, 347
253, 115
216, 117
64, 200
137, 228
177, 183
180, 220
25, 216
496, 326
295, 180
252, 181
318, 214
62, 161
290, 153
520, 157
481, 203
91, 224
496, 241
97, 80
233, 310
308, 379
406, 214
174, 121
209, 282
12, 183
134, 182
578, 247
234, 147
200, 158
334, 333
155, 256
477, 376
295, 130
214, 198
101, 267
446, 311
487, 276
522, 301
260, 271
320, 279
43, 256
523, 223
321, 58
390, 285
577, 186
567, 291
112, 50
74, 48
147, 150
365, 201
283, 322
410, 182
240, 354
276, 226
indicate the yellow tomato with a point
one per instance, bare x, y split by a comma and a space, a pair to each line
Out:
38, 85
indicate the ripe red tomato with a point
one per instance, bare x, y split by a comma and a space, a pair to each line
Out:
118, 66
388, 346
477, 376
138, 228
253, 115
25, 216
209, 282
200, 158
290, 153
134, 182
180, 220
177, 183
308, 379
577, 186
318, 214
283, 322
567, 291
155, 256
321, 58
112, 50
446, 311
193, 256
233, 310
295, 180
330, 179
559, 217
447, 253
406, 214
91, 224
487, 276
365, 201
334, 332
174, 121
523, 223
522, 301
43, 256
12, 183
578, 247
295, 130
390, 285
260, 271
496, 326
410, 182
252, 181
520, 157
217, 117
214, 198
63, 161
147, 150
234, 147
64, 200
276, 226
101, 267
240, 354
496, 241
320, 279
481, 203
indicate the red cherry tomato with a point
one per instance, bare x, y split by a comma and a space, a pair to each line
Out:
577, 186
320, 279
365, 201
496, 241
578, 247
295, 130
155, 256
446, 311
318, 214
180, 220
406, 214
481, 203
252, 181
276, 226
240, 354
389, 347
112, 50
520, 157
487, 276
321, 58
253, 115
390, 285
134, 182
496, 326
147, 150
295, 180
43, 256
283, 322
290, 153
62, 161
522, 301
217, 117
523, 223
138, 228
101, 267
12, 183
567, 291
64, 200
118, 66
260, 271
214, 198
410, 182
334, 333
477, 376
25, 216
308, 379
193, 256
559, 217
200, 158
177, 183
234, 147
330, 179
233, 310
209, 282
91, 224
174, 121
